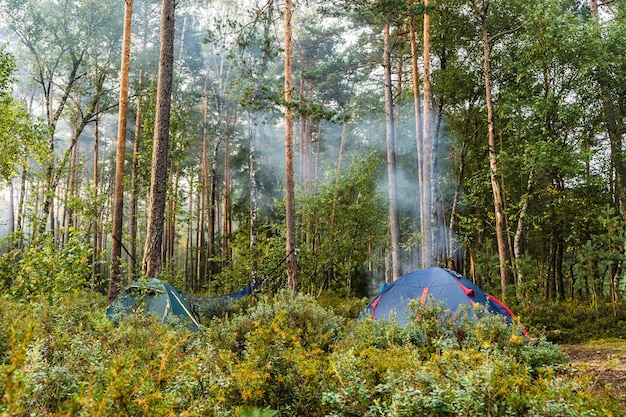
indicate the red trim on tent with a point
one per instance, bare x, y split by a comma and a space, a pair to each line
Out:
498, 302
423, 300
468, 291
374, 304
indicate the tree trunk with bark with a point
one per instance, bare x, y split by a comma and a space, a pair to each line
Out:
227, 198
19, 244
134, 186
253, 203
290, 205
204, 201
120, 158
612, 125
394, 223
95, 257
426, 187
212, 212
419, 131
518, 250
498, 204
158, 179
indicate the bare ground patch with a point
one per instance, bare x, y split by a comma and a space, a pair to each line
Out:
607, 361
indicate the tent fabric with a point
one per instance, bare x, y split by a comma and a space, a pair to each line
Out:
440, 284
155, 297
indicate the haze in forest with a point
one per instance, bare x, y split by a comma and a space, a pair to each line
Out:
481, 136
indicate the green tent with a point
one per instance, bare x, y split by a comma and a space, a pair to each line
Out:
155, 297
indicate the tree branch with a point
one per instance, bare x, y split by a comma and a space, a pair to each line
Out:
505, 32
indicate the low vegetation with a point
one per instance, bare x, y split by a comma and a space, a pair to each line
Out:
280, 355
569, 322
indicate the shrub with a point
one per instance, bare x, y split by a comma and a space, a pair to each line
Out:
47, 270
273, 355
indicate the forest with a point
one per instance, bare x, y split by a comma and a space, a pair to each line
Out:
326, 148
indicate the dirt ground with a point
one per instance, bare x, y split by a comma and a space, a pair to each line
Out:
607, 361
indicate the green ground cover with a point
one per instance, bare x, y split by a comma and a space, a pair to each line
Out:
279, 355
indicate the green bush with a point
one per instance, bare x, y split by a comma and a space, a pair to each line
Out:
47, 270
273, 355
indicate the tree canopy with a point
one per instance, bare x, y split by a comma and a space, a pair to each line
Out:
505, 121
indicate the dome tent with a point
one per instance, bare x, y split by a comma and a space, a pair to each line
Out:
441, 284
156, 297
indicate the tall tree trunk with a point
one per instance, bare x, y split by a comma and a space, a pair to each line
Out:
70, 190
118, 207
134, 191
100, 238
301, 132
37, 193
227, 197
95, 257
550, 289
212, 221
501, 239
331, 232
158, 179
53, 116
20, 206
399, 73
318, 152
204, 201
307, 144
253, 202
558, 262
191, 278
394, 223
454, 258
199, 278
11, 210
306, 154
290, 204
419, 131
173, 207
426, 187
518, 250
134, 186
612, 125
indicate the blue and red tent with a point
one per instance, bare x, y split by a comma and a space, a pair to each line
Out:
436, 283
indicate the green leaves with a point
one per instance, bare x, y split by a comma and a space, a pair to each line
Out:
47, 271
21, 137
344, 219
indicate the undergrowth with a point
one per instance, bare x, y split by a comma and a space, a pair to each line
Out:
576, 322
283, 356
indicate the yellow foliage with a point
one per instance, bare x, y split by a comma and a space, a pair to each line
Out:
516, 340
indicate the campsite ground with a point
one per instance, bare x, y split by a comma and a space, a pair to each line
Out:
606, 360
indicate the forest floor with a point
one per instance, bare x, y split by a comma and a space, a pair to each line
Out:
606, 360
